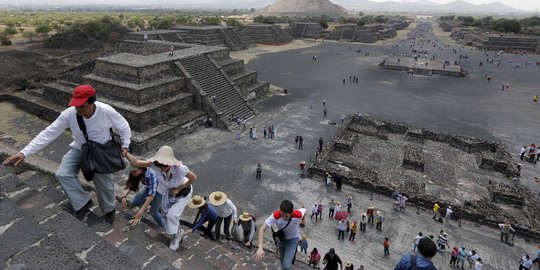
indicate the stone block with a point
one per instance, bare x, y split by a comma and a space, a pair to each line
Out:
52, 254
105, 256
19, 233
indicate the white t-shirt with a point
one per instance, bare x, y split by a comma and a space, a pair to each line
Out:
171, 179
417, 239
478, 266
97, 128
291, 231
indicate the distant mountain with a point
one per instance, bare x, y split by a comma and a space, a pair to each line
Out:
456, 7
303, 8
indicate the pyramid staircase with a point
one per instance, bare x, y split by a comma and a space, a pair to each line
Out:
35, 220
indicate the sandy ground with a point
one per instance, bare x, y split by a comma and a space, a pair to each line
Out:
445, 36
252, 53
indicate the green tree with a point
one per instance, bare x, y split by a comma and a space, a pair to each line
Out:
506, 26
215, 20
10, 31
323, 23
43, 29
233, 22
4, 39
259, 19
21, 30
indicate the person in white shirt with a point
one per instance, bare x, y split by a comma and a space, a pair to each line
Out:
98, 118
174, 188
448, 213
226, 211
526, 263
417, 240
478, 265
287, 220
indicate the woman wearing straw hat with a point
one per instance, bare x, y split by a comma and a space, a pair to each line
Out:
248, 228
226, 211
175, 180
379, 220
206, 213
349, 265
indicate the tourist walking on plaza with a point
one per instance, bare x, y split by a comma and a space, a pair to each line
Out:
314, 257
363, 222
98, 118
453, 256
338, 181
422, 260
462, 256
226, 211
314, 212
328, 181
436, 208
303, 244
320, 144
207, 213
370, 214
331, 260
259, 171
174, 180
354, 230
442, 241
324, 102
319, 211
379, 220
386, 246
522, 152
331, 208
247, 222
342, 226
416, 241
472, 257
144, 196
349, 265
349, 203
478, 264
302, 165
525, 263
287, 221
300, 143
537, 259
448, 213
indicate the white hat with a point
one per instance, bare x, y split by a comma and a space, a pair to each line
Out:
165, 155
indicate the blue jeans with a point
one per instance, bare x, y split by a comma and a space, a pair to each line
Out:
287, 249
68, 177
140, 198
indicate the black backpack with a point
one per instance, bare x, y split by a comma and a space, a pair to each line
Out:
414, 267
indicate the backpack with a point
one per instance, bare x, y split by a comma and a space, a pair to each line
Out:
414, 267
254, 218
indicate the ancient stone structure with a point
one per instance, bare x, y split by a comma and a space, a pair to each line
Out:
367, 34
263, 34
419, 67
203, 35
301, 30
161, 96
507, 42
474, 176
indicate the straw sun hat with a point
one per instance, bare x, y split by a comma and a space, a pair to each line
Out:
196, 202
165, 155
245, 216
218, 198
348, 264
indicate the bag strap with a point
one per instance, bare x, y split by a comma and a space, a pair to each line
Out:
82, 126
285, 225
413, 262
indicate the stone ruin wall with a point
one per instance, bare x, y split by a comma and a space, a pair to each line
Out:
490, 156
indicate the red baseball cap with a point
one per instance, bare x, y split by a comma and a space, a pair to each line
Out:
81, 94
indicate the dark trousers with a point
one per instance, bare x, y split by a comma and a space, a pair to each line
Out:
316, 216
331, 213
453, 260
351, 237
363, 227
386, 251
341, 235
226, 223
258, 176
208, 229
349, 207
378, 226
370, 219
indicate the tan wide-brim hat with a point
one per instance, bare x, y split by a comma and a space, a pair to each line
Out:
245, 216
218, 198
165, 155
196, 202
348, 264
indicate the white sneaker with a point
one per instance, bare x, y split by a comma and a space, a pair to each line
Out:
175, 242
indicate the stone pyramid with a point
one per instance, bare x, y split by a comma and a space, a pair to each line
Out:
303, 8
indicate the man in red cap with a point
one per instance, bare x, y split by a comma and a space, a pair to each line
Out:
98, 118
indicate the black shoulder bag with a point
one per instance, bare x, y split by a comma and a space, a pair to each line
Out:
279, 236
97, 157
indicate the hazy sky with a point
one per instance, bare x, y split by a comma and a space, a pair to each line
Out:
531, 5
